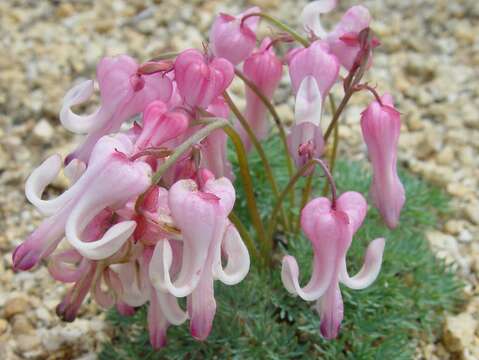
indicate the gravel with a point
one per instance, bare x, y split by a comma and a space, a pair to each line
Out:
429, 60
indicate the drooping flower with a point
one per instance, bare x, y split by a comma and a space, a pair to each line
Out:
200, 80
234, 39
124, 93
344, 39
110, 180
213, 148
380, 125
201, 215
305, 140
316, 61
330, 228
160, 125
264, 69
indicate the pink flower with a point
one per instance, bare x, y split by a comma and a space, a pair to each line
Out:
124, 93
316, 61
213, 148
264, 69
160, 125
330, 228
201, 215
232, 39
343, 40
311, 13
110, 180
381, 124
305, 140
201, 80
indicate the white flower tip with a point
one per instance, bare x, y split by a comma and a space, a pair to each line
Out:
309, 102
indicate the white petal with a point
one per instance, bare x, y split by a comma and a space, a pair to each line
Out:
370, 269
100, 249
170, 308
238, 258
39, 180
309, 103
159, 272
311, 13
75, 96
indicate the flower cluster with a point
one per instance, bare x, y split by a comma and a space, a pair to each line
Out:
148, 215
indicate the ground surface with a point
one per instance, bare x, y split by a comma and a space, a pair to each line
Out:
429, 60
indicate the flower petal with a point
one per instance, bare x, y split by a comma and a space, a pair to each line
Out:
308, 105
331, 309
370, 269
311, 14
170, 308
237, 255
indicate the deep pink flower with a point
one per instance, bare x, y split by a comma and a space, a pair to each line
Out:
232, 39
381, 126
330, 228
213, 148
110, 180
199, 79
264, 69
124, 93
160, 125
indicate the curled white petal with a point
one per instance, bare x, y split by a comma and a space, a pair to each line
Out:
102, 248
309, 103
75, 96
159, 272
238, 258
316, 287
40, 178
310, 16
370, 269
170, 308
135, 292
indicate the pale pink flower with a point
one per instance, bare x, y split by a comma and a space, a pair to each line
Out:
201, 215
200, 79
124, 93
234, 39
110, 180
316, 61
264, 69
381, 125
344, 39
330, 228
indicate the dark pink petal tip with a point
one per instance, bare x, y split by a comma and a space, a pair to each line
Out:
23, 259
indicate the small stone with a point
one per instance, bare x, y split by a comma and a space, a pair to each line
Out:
3, 326
43, 131
14, 306
465, 236
446, 156
21, 325
453, 227
27, 342
459, 332
472, 212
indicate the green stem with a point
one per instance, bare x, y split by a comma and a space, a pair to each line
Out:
334, 150
248, 186
165, 56
280, 25
244, 235
259, 149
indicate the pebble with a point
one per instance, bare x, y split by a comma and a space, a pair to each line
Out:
3, 326
14, 306
459, 332
43, 131
472, 212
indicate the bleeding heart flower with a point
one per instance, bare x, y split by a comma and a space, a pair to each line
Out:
381, 124
234, 39
124, 93
201, 80
330, 228
264, 69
